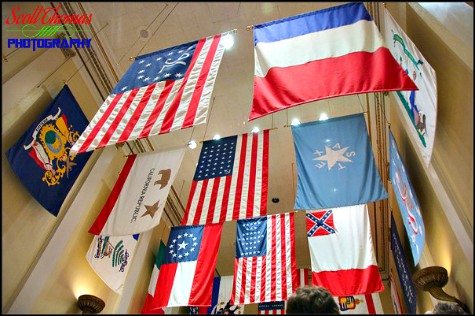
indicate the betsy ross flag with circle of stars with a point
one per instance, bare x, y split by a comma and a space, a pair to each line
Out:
163, 91
230, 181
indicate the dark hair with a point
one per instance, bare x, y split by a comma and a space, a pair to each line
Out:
311, 299
447, 308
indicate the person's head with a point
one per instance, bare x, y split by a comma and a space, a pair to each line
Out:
447, 308
311, 299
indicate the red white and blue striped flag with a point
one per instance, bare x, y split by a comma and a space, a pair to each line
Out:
163, 91
318, 55
230, 181
264, 266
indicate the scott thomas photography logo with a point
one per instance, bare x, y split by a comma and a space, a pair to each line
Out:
46, 27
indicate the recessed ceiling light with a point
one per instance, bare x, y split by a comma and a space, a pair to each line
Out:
323, 117
216, 137
255, 130
192, 144
228, 41
295, 122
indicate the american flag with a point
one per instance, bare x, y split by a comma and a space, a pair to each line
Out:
264, 266
163, 91
230, 181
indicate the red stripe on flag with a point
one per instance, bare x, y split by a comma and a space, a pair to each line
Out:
283, 245
273, 253
135, 117
157, 109
239, 184
166, 278
101, 219
200, 294
350, 76
293, 256
265, 172
196, 219
192, 193
252, 176
170, 115
252, 289
356, 281
123, 110
263, 278
242, 290
95, 130
370, 304
224, 204
212, 204
195, 99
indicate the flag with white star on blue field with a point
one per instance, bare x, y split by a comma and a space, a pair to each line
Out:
335, 164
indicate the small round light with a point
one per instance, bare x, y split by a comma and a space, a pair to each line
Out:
192, 144
295, 122
323, 117
255, 130
228, 41
216, 137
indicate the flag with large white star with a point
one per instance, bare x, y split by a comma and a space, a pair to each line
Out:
335, 164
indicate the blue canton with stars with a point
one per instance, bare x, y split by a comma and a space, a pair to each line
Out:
216, 158
166, 64
320, 223
251, 237
184, 243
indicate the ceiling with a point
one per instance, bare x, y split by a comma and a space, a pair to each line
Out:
127, 29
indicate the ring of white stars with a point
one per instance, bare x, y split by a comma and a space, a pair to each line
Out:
333, 156
181, 242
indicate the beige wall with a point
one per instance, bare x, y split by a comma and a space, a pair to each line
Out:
27, 227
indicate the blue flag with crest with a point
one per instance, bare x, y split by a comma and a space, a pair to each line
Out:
335, 164
40, 158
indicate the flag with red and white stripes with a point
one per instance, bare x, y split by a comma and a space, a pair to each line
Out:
163, 91
305, 277
264, 265
230, 181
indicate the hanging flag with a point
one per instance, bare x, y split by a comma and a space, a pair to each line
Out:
110, 257
230, 181
407, 201
271, 308
265, 265
163, 91
318, 55
136, 202
396, 300
360, 304
335, 164
405, 278
186, 276
41, 157
221, 298
419, 107
341, 251
305, 277
148, 307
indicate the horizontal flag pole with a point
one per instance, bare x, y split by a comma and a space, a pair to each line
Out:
270, 129
132, 58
